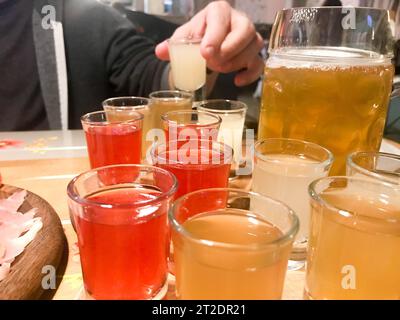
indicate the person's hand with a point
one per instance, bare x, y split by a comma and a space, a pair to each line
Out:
230, 42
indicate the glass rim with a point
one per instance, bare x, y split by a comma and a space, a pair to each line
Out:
218, 119
106, 102
241, 106
316, 196
351, 163
185, 40
326, 8
381, 52
85, 120
72, 194
281, 52
175, 94
328, 162
223, 147
210, 243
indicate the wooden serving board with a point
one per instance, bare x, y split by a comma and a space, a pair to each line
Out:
25, 279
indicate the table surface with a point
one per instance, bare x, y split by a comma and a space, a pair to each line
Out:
33, 165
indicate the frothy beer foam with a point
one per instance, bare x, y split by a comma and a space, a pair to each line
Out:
324, 58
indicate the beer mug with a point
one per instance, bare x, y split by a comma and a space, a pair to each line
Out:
328, 79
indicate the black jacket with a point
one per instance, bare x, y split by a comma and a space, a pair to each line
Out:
104, 57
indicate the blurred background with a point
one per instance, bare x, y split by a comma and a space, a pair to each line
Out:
158, 19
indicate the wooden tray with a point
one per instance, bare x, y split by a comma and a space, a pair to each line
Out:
25, 278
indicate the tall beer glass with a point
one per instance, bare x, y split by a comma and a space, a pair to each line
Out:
328, 79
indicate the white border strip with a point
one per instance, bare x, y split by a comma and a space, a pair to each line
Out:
61, 71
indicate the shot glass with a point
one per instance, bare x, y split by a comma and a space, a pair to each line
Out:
283, 170
112, 142
162, 102
354, 240
188, 66
191, 125
125, 109
199, 164
223, 250
233, 115
122, 229
378, 166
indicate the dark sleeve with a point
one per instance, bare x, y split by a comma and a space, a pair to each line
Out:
100, 33
130, 59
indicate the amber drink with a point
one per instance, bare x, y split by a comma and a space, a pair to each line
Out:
328, 82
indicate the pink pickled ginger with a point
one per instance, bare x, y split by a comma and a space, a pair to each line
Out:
17, 230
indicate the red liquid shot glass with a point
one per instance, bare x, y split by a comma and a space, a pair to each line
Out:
112, 142
122, 230
197, 164
190, 125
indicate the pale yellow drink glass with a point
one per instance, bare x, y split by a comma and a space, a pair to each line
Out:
187, 64
283, 170
162, 102
225, 251
233, 115
354, 241
378, 166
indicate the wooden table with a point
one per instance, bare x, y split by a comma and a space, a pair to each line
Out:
49, 179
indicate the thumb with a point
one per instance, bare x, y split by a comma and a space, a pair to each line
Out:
162, 51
